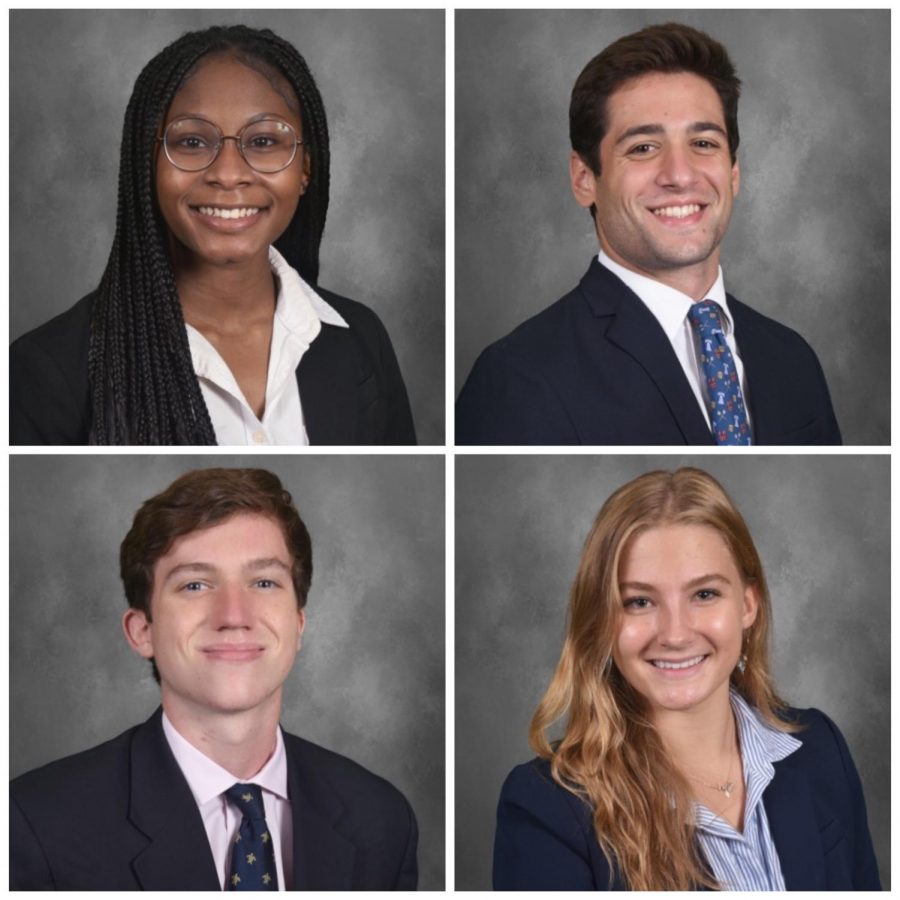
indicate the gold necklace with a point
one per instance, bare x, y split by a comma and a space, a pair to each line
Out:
726, 788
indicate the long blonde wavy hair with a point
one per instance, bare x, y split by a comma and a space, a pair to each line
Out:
610, 754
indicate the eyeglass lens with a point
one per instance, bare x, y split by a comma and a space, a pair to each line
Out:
268, 145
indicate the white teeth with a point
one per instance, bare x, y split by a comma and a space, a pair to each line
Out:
218, 213
662, 664
677, 212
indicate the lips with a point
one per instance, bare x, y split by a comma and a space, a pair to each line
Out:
233, 652
676, 668
227, 218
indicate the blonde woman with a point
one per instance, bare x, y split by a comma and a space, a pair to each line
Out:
679, 766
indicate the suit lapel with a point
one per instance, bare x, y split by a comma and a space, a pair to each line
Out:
763, 386
323, 857
792, 822
328, 390
634, 330
162, 807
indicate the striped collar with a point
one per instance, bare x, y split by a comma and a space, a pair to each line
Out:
761, 745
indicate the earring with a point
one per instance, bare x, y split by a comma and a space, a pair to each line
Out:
742, 663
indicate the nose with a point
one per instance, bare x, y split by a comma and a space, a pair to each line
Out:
676, 168
233, 608
676, 628
229, 168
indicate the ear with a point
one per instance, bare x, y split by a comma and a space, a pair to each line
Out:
583, 181
751, 605
735, 178
301, 624
138, 632
307, 173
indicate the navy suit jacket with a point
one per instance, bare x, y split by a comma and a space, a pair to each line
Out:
817, 817
122, 817
597, 368
351, 389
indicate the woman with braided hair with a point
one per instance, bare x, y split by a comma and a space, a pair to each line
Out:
208, 325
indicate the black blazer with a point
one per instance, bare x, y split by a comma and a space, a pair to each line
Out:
122, 817
351, 389
597, 368
817, 817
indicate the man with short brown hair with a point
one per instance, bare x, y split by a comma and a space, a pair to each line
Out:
210, 793
649, 349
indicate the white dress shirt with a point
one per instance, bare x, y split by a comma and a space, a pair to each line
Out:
208, 781
670, 308
299, 314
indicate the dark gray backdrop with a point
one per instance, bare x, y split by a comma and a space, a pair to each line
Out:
369, 681
822, 526
381, 74
809, 242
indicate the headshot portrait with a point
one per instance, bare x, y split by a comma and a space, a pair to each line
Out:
672, 673
234, 675
258, 251
695, 192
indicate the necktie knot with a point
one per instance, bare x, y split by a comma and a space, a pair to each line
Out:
707, 318
248, 799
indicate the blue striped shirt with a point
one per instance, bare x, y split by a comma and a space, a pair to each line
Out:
748, 861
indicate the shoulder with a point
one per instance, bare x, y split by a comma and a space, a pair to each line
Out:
821, 739
361, 318
66, 333
73, 780
530, 789
357, 787
48, 374
778, 337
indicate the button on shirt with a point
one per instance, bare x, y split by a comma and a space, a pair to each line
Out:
208, 781
299, 314
748, 861
670, 308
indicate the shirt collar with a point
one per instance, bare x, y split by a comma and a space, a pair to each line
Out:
299, 314
207, 779
669, 306
761, 745
296, 299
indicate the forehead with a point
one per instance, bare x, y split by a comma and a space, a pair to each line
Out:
240, 537
670, 99
675, 552
223, 87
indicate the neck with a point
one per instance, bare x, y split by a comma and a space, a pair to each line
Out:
700, 740
225, 298
694, 280
241, 743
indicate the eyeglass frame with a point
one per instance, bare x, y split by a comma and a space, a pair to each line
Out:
229, 137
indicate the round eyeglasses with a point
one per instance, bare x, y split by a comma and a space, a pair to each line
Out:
192, 144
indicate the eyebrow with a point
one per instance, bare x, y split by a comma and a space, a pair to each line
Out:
203, 568
694, 582
654, 129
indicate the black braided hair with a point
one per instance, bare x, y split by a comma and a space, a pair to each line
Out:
143, 386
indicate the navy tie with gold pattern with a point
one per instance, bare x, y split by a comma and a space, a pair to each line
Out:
723, 389
252, 855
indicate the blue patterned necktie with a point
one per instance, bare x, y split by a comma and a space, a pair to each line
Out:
723, 388
252, 855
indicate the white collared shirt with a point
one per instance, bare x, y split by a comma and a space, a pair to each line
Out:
670, 308
299, 314
208, 781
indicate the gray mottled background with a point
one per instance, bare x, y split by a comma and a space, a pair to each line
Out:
822, 526
369, 681
809, 243
381, 74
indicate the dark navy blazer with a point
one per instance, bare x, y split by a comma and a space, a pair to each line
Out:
351, 389
817, 817
122, 817
596, 368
